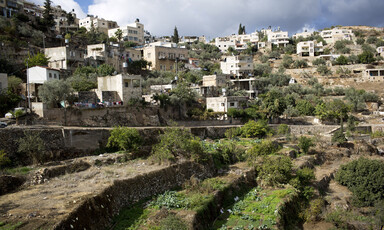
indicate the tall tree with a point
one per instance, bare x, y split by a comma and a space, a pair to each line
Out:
37, 60
70, 18
175, 37
119, 34
241, 29
47, 14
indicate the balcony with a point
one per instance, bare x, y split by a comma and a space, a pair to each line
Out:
162, 57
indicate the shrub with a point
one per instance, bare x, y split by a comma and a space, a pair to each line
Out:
4, 160
178, 143
33, 145
227, 153
319, 61
287, 61
323, 70
265, 147
338, 137
283, 129
364, 178
342, 60
275, 169
366, 57
305, 108
300, 64
360, 41
232, 133
305, 143
371, 40
257, 129
123, 138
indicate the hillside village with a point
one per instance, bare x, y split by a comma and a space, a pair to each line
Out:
107, 126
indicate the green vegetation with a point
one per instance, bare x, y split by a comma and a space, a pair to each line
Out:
55, 91
178, 143
4, 160
305, 143
323, 70
341, 218
274, 169
4, 226
126, 139
258, 209
364, 178
319, 61
257, 129
32, 145
38, 59
175, 37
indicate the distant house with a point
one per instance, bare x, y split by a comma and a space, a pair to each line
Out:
3, 81
164, 55
133, 32
68, 58
99, 24
278, 38
222, 104
374, 74
309, 48
304, 34
40, 74
337, 34
237, 65
248, 85
119, 88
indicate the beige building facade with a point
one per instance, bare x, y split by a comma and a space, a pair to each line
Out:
164, 56
100, 24
222, 104
63, 57
121, 87
237, 65
337, 34
133, 32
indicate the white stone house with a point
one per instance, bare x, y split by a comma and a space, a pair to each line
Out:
121, 87
40, 74
100, 24
374, 74
222, 104
337, 34
304, 34
277, 37
237, 65
309, 48
63, 57
133, 32
223, 43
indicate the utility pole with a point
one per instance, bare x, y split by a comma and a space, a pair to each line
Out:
28, 85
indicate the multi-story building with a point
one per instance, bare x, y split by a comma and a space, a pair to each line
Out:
62, 24
248, 85
337, 34
10, 7
277, 37
223, 43
99, 24
164, 56
68, 58
121, 87
309, 48
112, 54
133, 32
237, 65
32, 9
304, 34
222, 104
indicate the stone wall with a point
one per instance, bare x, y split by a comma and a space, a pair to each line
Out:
97, 212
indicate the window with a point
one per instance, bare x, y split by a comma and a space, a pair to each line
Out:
232, 104
126, 84
54, 75
50, 75
222, 104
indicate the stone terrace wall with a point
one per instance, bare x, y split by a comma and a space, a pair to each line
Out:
97, 212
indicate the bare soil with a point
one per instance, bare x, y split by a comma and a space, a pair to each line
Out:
43, 205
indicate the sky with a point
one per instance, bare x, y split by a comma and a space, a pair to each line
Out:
214, 18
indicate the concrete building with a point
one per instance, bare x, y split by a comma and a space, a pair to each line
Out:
222, 104
119, 88
237, 65
336, 34
40, 74
8, 8
99, 24
248, 85
277, 37
164, 56
32, 9
304, 34
133, 32
215, 80
68, 58
380, 50
374, 74
63, 26
3, 81
309, 48
223, 43
111, 54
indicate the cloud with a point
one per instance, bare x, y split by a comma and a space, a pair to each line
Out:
67, 5
210, 18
